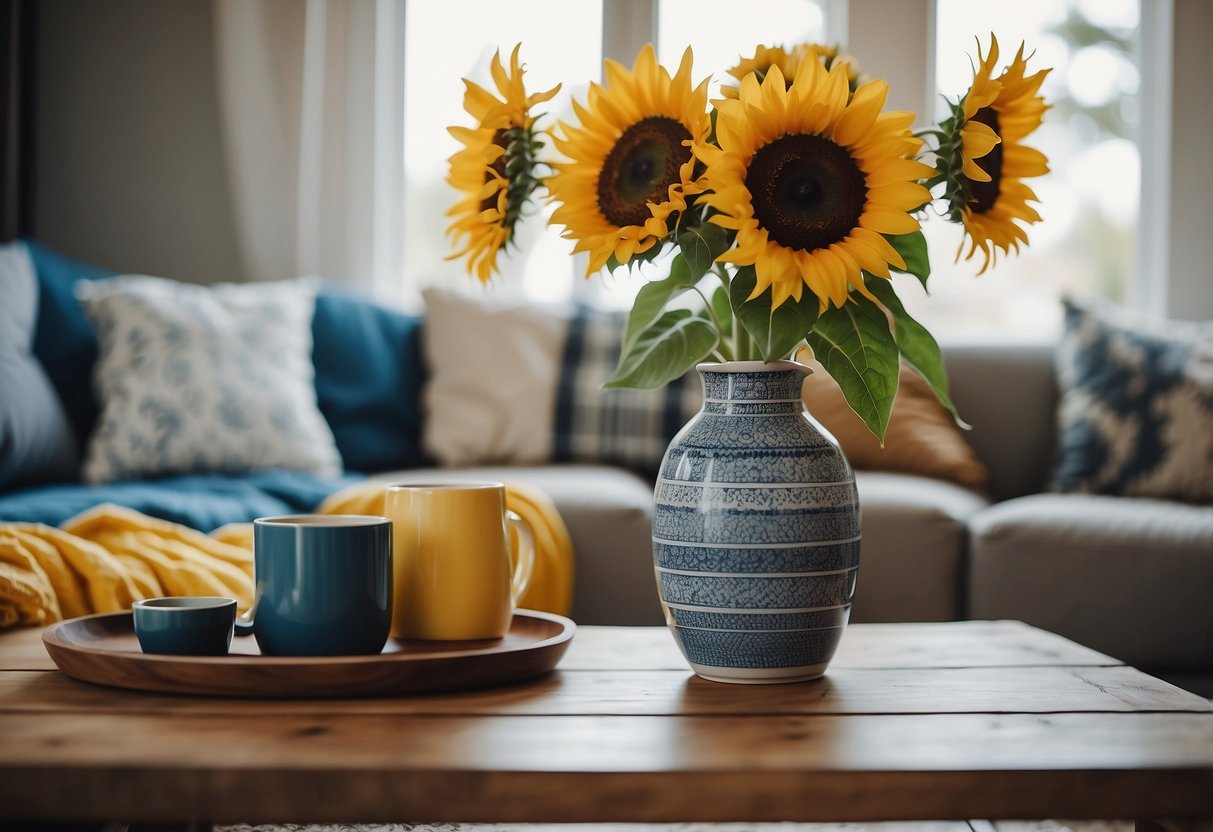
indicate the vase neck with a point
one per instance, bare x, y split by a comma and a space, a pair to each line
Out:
770, 390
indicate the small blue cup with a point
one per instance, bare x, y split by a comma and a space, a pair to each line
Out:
323, 585
185, 625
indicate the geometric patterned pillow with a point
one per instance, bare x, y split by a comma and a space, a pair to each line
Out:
1136, 412
204, 378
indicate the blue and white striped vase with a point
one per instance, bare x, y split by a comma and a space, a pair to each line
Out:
755, 530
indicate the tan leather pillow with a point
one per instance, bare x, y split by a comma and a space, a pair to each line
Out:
921, 437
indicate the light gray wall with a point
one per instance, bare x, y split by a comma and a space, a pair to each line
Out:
130, 171
1190, 284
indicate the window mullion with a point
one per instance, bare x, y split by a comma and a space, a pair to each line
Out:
895, 40
627, 25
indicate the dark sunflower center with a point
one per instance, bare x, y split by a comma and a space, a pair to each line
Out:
983, 195
640, 169
501, 140
807, 191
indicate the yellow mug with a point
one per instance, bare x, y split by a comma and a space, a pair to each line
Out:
456, 576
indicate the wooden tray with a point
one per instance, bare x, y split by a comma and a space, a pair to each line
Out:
103, 649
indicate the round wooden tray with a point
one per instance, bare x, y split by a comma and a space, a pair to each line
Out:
103, 649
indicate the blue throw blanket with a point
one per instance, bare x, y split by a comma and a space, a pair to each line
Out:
201, 501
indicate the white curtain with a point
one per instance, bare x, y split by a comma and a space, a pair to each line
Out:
311, 104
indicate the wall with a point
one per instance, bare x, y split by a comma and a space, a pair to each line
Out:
1190, 284
130, 171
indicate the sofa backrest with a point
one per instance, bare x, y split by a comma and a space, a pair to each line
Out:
1008, 393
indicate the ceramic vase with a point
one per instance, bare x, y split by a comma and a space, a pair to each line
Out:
755, 530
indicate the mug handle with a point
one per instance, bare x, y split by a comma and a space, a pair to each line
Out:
244, 623
524, 562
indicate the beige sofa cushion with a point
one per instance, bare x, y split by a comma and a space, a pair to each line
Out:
911, 562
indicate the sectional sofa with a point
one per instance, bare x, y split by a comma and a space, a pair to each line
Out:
1131, 577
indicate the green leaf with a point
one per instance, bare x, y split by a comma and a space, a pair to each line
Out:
913, 249
857, 349
675, 343
651, 299
722, 310
916, 344
775, 333
701, 245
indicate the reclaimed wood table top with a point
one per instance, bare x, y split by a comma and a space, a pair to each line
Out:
912, 722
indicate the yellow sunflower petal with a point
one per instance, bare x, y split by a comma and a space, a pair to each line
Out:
888, 222
862, 112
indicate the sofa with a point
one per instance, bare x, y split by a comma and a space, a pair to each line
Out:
1130, 577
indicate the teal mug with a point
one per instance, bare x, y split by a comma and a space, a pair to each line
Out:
185, 625
323, 585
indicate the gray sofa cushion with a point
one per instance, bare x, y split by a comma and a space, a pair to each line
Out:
1008, 393
1128, 577
912, 556
607, 511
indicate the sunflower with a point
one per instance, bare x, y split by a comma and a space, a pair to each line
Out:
495, 170
812, 179
630, 161
984, 159
788, 62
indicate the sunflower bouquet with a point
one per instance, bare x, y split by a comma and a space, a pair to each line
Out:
785, 206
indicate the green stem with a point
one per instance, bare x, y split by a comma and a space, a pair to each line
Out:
742, 343
711, 312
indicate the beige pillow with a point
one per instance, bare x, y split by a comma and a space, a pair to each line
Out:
921, 437
493, 367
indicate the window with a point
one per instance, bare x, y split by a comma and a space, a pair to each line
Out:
562, 43
1089, 200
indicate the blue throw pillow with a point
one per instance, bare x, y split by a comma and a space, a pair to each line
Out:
64, 339
36, 441
1136, 414
368, 380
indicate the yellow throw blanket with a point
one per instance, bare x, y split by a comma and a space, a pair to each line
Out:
108, 557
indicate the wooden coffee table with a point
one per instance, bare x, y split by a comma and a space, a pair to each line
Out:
918, 721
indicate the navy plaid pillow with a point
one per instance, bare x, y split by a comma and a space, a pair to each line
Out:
631, 428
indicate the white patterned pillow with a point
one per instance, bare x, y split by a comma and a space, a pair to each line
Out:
196, 378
